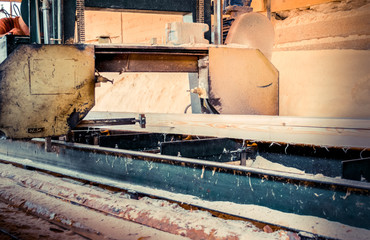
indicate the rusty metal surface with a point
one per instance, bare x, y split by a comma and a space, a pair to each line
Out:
16, 224
79, 210
146, 63
242, 81
123, 58
201, 50
45, 90
138, 209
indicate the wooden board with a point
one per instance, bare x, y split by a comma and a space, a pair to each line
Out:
123, 27
354, 133
100, 23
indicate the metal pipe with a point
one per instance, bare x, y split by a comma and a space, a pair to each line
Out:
38, 31
11, 8
46, 20
53, 23
218, 39
59, 21
268, 9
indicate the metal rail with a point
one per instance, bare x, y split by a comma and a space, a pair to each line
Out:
336, 200
118, 58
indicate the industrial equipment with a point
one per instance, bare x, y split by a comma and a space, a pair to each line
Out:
56, 88
317, 168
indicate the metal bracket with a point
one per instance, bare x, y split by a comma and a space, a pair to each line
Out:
203, 89
141, 120
100, 79
116, 121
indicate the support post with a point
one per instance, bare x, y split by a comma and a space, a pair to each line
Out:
218, 22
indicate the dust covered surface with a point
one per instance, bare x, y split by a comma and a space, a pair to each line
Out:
159, 214
144, 92
15, 223
169, 216
334, 25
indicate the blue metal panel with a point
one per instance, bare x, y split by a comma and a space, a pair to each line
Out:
338, 200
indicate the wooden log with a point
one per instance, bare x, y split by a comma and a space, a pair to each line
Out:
326, 83
280, 5
340, 24
348, 133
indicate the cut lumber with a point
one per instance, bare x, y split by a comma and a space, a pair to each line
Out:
124, 27
348, 133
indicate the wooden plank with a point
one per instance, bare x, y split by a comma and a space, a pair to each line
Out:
123, 27
348, 133
280, 5
100, 23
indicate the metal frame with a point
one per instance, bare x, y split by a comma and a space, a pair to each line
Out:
210, 181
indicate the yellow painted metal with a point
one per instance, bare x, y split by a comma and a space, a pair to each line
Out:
242, 81
45, 89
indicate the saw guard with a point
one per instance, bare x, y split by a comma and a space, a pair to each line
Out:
45, 90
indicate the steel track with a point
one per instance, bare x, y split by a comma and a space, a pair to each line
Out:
173, 178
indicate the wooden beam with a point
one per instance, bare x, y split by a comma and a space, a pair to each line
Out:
280, 5
347, 133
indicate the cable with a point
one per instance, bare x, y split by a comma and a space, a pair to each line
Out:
186, 109
210, 107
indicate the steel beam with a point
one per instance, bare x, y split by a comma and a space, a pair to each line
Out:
357, 169
198, 148
180, 6
147, 58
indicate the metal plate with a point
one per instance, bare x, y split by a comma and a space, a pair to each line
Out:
45, 90
242, 81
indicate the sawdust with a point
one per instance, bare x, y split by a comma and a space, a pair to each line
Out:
91, 224
144, 209
21, 225
263, 163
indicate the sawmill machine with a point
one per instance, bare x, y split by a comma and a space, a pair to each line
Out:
48, 78
234, 155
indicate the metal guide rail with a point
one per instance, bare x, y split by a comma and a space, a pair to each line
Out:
131, 58
333, 199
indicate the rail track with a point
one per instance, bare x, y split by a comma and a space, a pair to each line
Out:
311, 206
